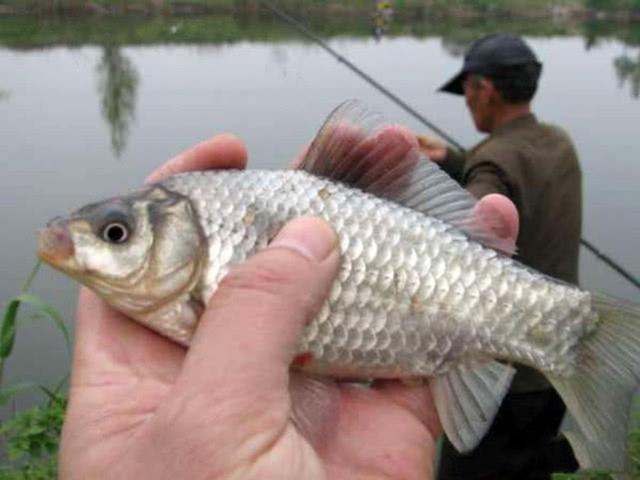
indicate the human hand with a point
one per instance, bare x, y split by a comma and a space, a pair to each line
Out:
432, 147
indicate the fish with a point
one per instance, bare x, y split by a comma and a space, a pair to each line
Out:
423, 289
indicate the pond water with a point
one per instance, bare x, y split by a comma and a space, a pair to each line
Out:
80, 120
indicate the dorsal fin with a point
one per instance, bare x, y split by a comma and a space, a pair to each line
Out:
355, 147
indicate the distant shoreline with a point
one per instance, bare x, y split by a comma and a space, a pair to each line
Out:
46, 31
539, 9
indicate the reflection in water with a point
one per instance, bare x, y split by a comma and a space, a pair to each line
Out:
280, 58
4, 95
455, 46
117, 85
382, 18
628, 69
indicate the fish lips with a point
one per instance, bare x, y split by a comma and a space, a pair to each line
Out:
55, 245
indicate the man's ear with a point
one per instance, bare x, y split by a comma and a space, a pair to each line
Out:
489, 91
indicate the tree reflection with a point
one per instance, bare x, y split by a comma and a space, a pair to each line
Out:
117, 85
4, 95
455, 47
628, 69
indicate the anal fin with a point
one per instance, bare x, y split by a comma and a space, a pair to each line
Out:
467, 400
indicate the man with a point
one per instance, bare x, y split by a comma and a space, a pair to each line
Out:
536, 166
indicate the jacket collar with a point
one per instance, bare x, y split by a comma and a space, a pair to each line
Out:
526, 120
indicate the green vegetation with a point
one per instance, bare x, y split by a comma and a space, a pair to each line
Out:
535, 8
118, 82
30, 437
31, 441
25, 32
613, 5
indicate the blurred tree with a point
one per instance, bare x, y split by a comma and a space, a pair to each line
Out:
117, 84
628, 69
613, 5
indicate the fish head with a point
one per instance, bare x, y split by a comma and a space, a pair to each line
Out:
137, 251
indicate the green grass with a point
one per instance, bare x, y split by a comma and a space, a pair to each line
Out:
30, 438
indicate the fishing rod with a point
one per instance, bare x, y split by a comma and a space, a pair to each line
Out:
405, 106
421, 118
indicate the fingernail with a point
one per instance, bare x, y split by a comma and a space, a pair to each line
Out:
311, 237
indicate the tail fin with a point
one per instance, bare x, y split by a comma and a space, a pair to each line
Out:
599, 396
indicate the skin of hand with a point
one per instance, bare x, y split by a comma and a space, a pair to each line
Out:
432, 147
231, 407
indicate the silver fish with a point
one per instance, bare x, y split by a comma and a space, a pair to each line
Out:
419, 293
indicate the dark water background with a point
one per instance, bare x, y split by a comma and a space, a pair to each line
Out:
89, 107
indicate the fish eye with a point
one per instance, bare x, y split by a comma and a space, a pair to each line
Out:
115, 232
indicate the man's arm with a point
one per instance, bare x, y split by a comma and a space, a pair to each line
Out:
453, 163
485, 177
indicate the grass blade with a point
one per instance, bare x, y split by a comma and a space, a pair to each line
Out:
7, 393
51, 312
8, 330
53, 395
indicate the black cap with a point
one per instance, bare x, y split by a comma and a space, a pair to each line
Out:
491, 55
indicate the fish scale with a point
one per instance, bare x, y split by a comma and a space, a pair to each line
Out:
402, 273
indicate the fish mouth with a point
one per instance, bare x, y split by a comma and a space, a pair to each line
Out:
55, 245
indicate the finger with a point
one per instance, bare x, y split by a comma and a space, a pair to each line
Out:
222, 151
315, 406
382, 162
503, 214
250, 329
428, 142
337, 152
400, 131
389, 152
416, 399
385, 147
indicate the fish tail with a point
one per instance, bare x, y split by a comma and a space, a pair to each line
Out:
599, 396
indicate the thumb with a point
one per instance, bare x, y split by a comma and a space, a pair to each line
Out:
500, 215
250, 329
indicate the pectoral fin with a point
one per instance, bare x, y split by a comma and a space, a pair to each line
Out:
467, 400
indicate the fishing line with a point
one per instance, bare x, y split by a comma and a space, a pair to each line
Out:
405, 106
421, 118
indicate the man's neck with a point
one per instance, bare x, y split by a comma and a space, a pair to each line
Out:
508, 112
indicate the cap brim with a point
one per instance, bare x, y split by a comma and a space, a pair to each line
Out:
454, 85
